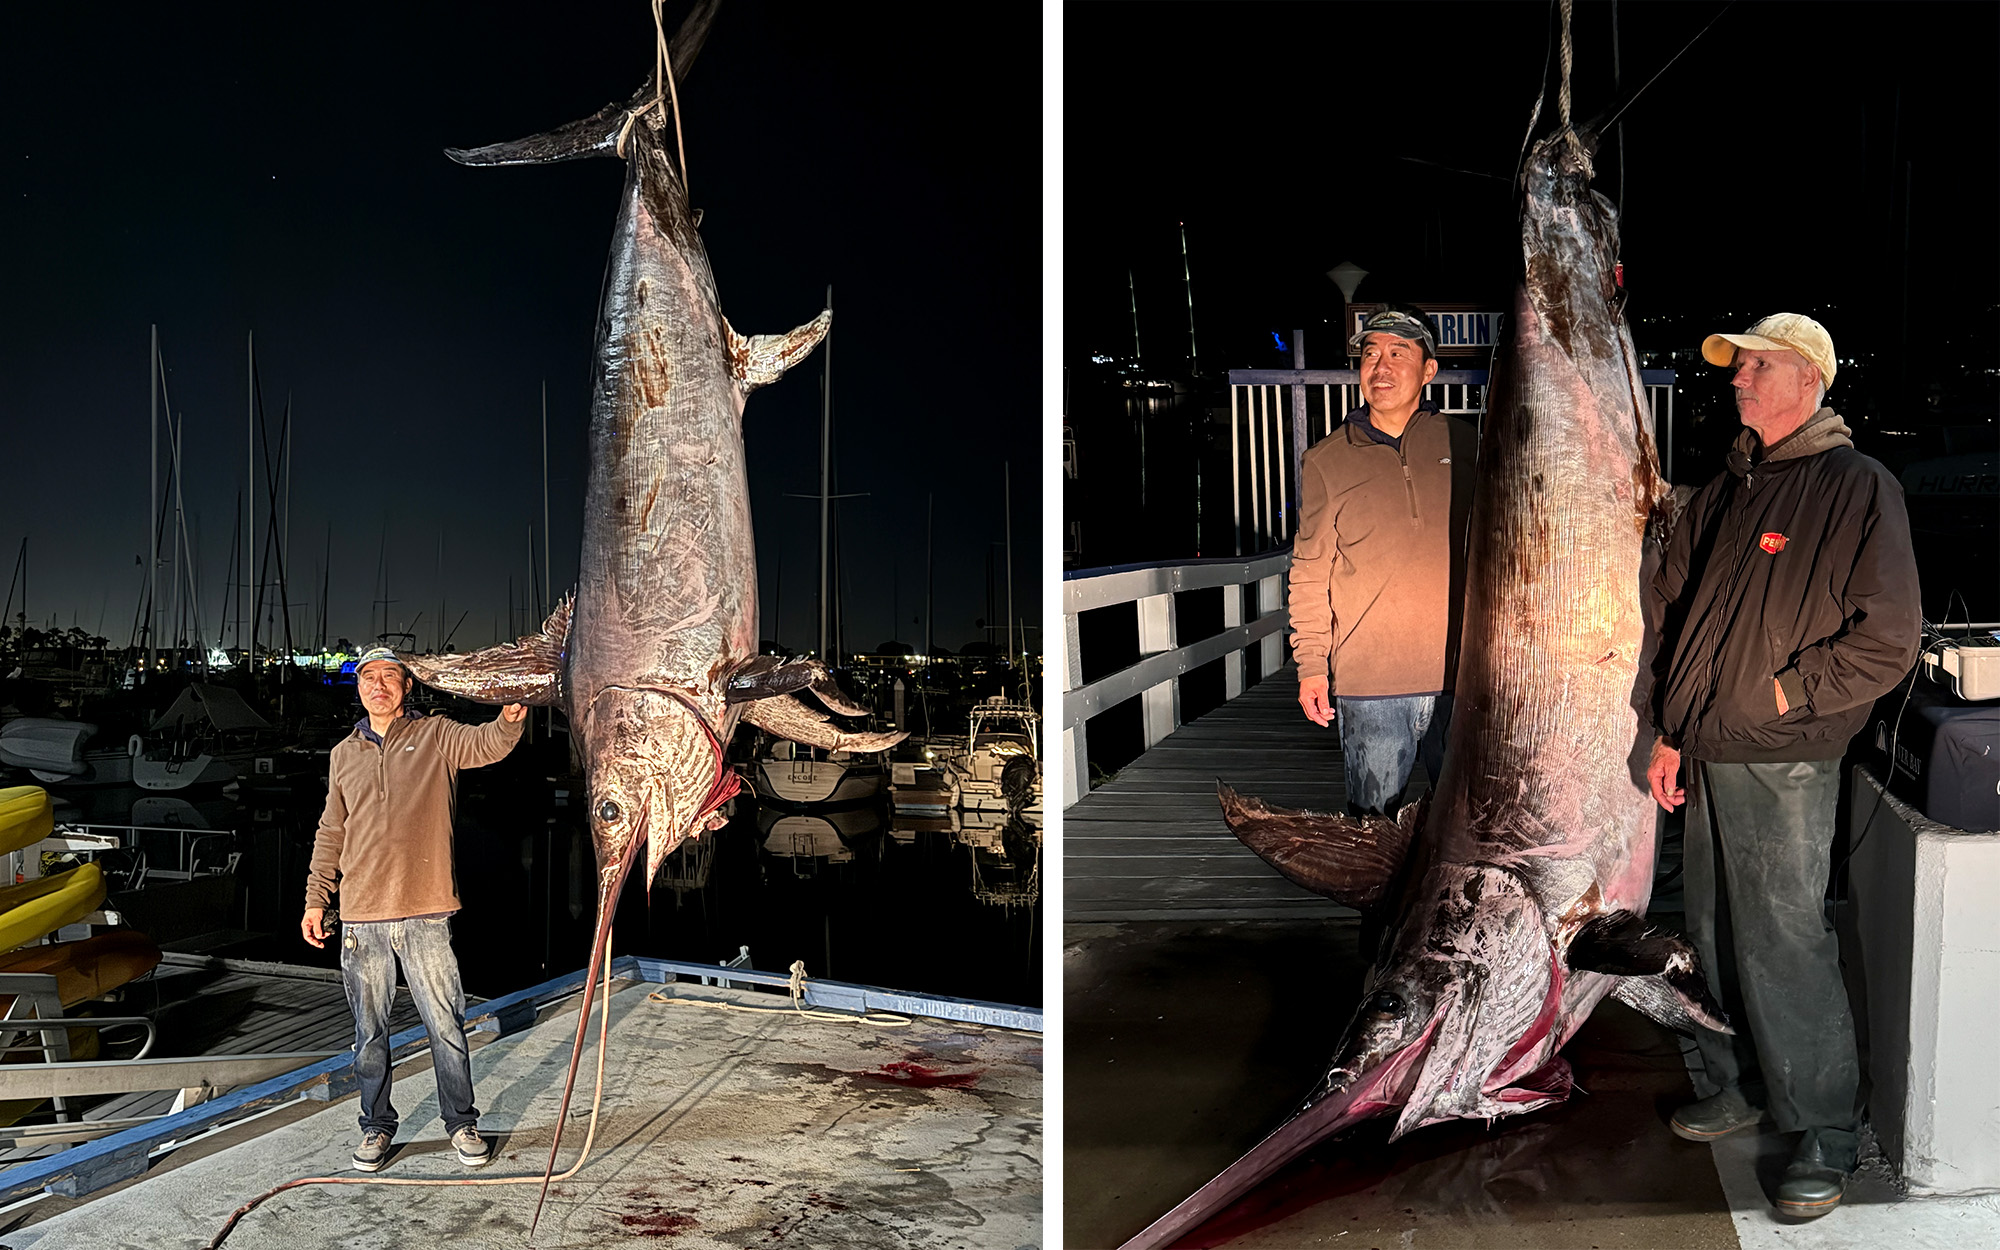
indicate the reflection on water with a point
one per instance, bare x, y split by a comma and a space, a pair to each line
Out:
947, 904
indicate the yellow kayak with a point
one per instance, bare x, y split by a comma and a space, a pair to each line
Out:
33, 908
26, 817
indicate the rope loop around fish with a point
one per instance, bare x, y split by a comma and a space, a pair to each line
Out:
880, 1019
664, 86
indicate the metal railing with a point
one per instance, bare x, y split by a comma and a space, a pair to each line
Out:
1165, 657
1275, 414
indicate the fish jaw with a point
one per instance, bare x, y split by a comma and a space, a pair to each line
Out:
1467, 1003
655, 772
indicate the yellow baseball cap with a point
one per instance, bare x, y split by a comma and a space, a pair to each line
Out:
1776, 333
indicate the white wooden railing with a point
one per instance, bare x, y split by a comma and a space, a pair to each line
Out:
1164, 656
1275, 414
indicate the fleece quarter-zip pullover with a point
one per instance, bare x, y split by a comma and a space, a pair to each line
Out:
1378, 564
385, 838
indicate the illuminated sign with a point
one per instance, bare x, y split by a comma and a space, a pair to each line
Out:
1460, 329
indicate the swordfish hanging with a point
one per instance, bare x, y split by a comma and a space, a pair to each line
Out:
655, 658
1519, 893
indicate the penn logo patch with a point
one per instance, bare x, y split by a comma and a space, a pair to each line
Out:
1773, 543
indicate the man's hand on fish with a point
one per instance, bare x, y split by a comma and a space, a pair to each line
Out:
513, 712
1663, 774
1313, 698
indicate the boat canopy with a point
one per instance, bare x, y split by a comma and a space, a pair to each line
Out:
217, 706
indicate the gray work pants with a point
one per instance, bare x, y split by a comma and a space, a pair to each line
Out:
1762, 833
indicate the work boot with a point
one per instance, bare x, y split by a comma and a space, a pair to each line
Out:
474, 1151
373, 1151
1817, 1175
1715, 1117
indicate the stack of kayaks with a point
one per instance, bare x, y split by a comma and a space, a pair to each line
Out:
41, 906
26, 817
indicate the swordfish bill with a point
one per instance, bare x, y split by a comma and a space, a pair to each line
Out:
1520, 902
654, 658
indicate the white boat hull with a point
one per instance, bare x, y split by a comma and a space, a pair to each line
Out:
818, 781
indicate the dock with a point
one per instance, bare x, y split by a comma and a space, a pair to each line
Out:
730, 1113
1150, 844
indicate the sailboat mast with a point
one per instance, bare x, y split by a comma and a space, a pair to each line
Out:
153, 498
250, 531
1132, 289
930, 576
1187, 277
548, 590
1007, 519
825, 478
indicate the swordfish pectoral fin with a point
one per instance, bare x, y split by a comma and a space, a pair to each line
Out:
788, 718
527, 670
1661, 975
763, 677
763, 358
1351, 861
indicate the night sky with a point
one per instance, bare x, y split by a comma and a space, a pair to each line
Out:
1766, 170
280, 169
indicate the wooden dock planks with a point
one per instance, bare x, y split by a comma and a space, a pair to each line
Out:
1150, 844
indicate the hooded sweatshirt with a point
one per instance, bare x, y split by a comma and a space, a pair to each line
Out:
1793, 565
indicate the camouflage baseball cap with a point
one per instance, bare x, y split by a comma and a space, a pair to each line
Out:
1401, 324
373, 654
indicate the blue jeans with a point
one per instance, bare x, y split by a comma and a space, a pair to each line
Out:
1380, 742
369, 952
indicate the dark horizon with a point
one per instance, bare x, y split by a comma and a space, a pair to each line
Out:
1291, 138
269, 171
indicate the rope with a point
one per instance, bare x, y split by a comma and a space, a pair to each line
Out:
604, 1032
880, 1019
663, 77
1562, 99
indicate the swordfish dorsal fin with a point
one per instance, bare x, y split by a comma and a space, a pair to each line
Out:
597, 135
763, 358
1353, 862
528, 670
788, 718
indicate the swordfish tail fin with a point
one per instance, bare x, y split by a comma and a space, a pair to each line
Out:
597, 134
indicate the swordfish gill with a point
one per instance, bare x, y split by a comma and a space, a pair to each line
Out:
1520, 890
654, 659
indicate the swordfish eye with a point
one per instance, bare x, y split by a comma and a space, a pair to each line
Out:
1385, 1003
608, 811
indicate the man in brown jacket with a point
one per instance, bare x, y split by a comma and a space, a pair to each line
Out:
384, 842
1789, 591
1378, 566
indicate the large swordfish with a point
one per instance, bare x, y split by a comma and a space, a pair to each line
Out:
654, 658
1520, 891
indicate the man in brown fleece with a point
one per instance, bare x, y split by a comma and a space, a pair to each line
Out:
384, 842
1789, 591
1378, 566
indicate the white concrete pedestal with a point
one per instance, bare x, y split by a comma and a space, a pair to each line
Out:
1926, 901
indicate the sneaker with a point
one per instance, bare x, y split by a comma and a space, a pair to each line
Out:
474, 1151
1816, 1179
1715, 1117
373, 1151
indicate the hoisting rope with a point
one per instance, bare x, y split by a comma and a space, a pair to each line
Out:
880, 1019
1562, 98
663, 86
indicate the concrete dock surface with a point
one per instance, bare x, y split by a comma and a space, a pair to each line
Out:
1187, 1041
720, 1126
